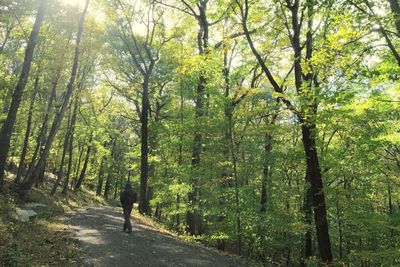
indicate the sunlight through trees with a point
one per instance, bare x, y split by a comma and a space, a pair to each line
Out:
269, 129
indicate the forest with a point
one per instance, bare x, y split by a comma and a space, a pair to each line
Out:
265, 128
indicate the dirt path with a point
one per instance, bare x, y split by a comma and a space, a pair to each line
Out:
100, 235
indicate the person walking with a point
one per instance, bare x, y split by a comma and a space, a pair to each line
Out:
127, 198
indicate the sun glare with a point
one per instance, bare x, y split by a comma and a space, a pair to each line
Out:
72, 2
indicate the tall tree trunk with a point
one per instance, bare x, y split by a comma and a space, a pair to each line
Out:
144, 207
225, 177
267, 165
309, 130
85, 164
308, 127
110, 170
61, 168
180, 155
43, 130
266, 178
108, 186
7, 129
21, 165
27, 185
41, 137
71, 132
116, 186
40, 178
307, 209
193, 216
144, 56
318, 197
150, 189
100, 178
236, 180
77, 167
395, 7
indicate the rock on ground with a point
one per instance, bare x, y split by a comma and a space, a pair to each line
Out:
23, 215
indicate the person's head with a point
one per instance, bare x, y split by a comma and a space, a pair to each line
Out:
128, 186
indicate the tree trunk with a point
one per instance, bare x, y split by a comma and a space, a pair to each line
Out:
307, 209
21, 165
266, 168
150, 195
41, 138
318, 198
309, 130
225, 177
85, 164
40, 179
116, 187
77, 167
108, 181
107, 187
193, 216
71, 132
42, 133
308, 127
26, 186
100, 178
395, 7
236, 180
177, 216
7, 129
60, 170
180, 155
144, 164
265, 180
145, 64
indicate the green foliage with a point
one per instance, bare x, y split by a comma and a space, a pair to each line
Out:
352, 98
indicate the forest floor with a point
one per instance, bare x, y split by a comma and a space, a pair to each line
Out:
100, 235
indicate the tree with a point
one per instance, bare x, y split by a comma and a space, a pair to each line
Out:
7, 127
308, 109
226, 115
30, 180
144, 54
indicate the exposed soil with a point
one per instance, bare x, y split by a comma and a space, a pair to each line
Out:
99, 231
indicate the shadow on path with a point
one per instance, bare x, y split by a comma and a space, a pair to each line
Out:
100, 235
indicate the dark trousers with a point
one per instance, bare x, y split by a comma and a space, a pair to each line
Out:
127, 217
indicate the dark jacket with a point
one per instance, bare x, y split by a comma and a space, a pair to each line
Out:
128, 197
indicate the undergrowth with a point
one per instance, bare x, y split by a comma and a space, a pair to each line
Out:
45, 240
